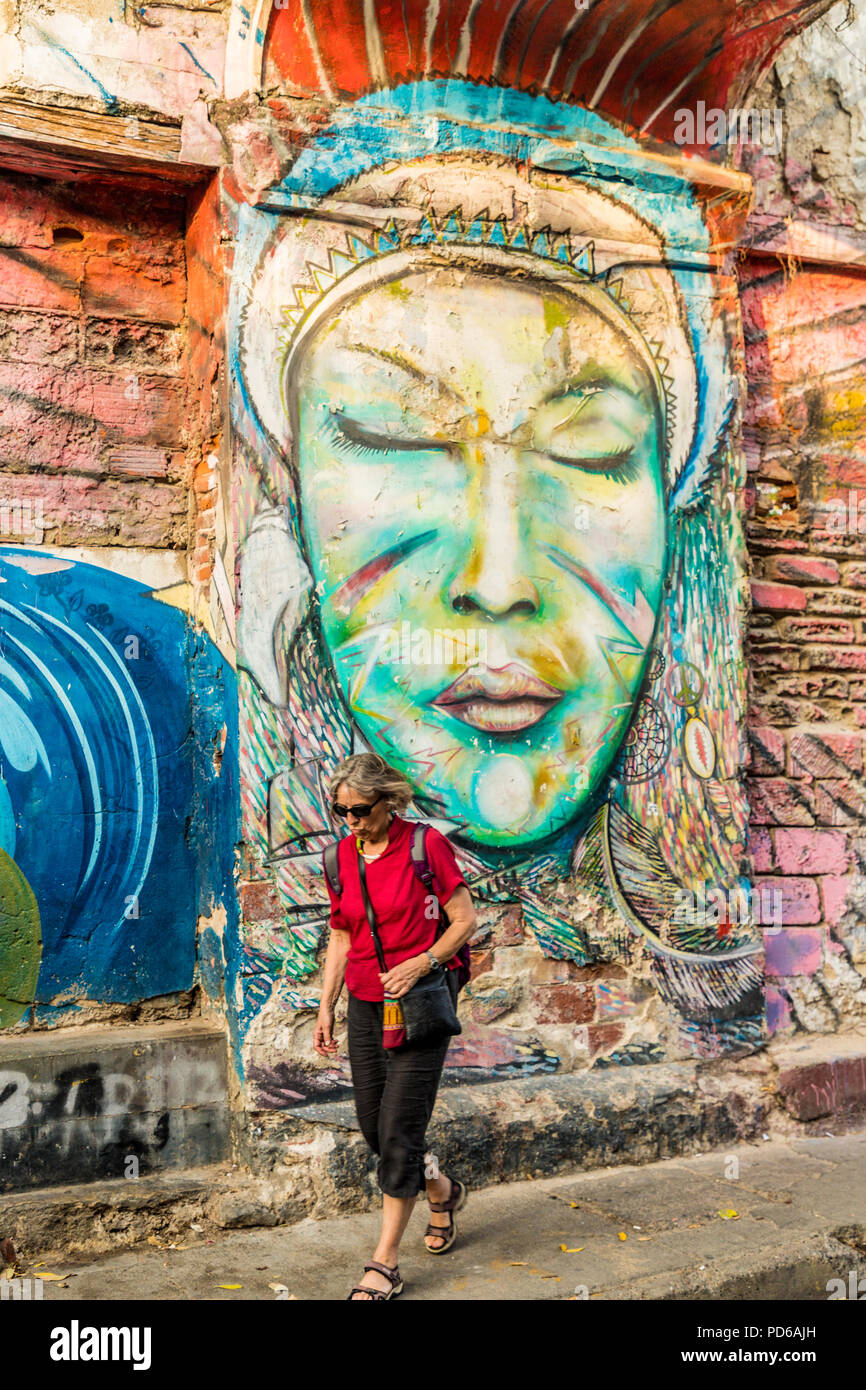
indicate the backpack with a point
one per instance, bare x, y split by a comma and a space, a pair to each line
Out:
423, 872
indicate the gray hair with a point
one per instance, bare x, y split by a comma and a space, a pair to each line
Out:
372, 777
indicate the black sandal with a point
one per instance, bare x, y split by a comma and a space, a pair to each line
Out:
379, 1295
456, 1202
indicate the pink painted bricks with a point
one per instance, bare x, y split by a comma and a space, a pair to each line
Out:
793, 951
811, 851
779, 598
800, 901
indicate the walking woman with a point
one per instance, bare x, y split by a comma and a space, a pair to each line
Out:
395, 1087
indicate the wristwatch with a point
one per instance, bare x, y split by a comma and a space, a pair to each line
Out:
434, 963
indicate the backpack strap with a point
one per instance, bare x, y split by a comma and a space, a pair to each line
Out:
423, 871
418, 854
331, 865
421, 866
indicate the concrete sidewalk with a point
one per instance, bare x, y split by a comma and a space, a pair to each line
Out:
800, 1220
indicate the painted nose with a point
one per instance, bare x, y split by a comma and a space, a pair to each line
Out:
492, 582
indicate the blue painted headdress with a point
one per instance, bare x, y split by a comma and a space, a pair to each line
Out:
579, 203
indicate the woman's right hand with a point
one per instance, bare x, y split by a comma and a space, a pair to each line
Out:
323, 1037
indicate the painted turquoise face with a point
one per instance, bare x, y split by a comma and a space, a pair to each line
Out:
480, 465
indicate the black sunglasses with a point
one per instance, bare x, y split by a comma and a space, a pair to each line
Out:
359, 812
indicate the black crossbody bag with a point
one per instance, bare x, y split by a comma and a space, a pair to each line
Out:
428, 1009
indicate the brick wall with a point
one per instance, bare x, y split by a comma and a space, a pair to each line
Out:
94, 419
805, 332
206, 307
586, 998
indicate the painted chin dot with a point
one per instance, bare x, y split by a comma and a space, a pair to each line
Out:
503, 792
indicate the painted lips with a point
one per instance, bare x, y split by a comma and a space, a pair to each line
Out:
501, 701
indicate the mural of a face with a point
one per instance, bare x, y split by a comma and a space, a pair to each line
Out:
490, 530
481, 483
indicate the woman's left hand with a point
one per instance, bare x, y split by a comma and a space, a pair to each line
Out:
400, 980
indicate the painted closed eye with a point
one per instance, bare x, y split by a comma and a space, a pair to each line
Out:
620, 465
363, 441
599, 429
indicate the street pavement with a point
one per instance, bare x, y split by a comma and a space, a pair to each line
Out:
758, 1221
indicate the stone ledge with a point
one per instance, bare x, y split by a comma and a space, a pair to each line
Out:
798, 1270
538, 1126
824, 1079
97, 1217
310, 1161
93, 1104
100, 1037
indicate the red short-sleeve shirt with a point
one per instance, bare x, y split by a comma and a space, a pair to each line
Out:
400, 901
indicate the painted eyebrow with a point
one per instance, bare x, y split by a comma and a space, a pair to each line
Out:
586, 389
588, 386
405, 364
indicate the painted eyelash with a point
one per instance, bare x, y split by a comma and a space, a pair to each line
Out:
339, 434
627, 471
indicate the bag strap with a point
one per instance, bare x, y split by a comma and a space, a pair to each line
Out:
371, 916
331, 864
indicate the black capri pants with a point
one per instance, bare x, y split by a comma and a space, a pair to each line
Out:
395, 1091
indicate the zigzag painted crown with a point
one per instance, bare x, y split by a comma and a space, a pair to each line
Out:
482, 231
549, 255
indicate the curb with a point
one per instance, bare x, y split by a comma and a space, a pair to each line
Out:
311, 1161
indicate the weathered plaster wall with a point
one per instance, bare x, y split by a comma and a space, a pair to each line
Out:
819, 81
109, 56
